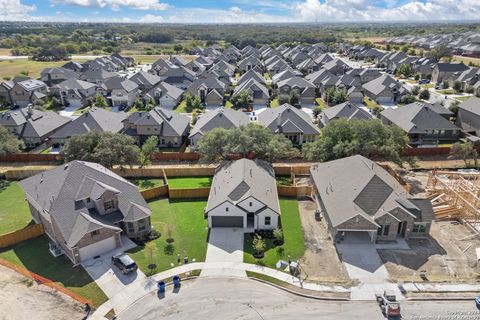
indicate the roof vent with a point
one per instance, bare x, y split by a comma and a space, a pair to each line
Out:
65, 167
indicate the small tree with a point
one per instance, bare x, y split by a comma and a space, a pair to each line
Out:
100, 101
283, 98
242, 100
404, 70
445, 84
416, 90
259, 246
192, 102
424, 94
294, 98
464, 151
457, 86
316, 112
406, 99
177, 48
278, 234
139, 105
9, 143
149, 147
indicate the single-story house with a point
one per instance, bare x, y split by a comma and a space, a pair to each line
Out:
468, 117
346, 110
384, 89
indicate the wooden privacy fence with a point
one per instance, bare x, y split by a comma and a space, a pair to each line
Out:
156, 192
49, 283
282, 170
30, 157
180, 171
19, 174
188, 193
15, 237
294, 191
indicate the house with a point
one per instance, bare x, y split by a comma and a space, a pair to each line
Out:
249, 63
293, 123
31, 125
364, 74
218, 118
444, 71
384, 89
257, 90
145, 81
75, 66
170, 127
121, 92
52, 76
180, 77
85, 209
422, 123
346, 110
74, 93
211, 91
468, 117
243, 195
95, 119
165, 95
22, 91
355, 95
97, 76
304, 88
360, 198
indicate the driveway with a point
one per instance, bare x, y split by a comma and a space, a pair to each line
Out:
224, 250
108, 277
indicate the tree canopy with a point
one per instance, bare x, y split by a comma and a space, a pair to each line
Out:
370, 138
105, 148
9, 143
252, 139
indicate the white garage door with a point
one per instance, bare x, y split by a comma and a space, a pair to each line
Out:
97, 248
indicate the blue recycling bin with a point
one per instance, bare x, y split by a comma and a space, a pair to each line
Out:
161, 286
176, 281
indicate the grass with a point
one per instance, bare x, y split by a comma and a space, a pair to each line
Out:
467, 60
447, 91
266, 278
321, 103
189, 182
12, 68
182, 221
14, 211
370, 104
464, 98
46, 151
266, 76
284, 180
294, 244
34, 256
144, 183
274, 103
228, 104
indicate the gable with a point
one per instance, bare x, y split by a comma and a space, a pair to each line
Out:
372, 197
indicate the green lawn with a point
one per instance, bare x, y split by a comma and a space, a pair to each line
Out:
370, 104
46, 151
146, 183
228, 104
189, 182
320, 102
464, 98
14, 211
274, 103
283, 180
447, 91
181, 220
33, 255
292, 232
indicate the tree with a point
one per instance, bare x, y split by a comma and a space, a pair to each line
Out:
9, 143
192, 102
445, 84
406, 99
100, 101
316, 112
440, 52
278, 235
404, 70
212, 146
242, 100
415, 90
424, 94
334, 96
454, 108
464, 151
294, 98
457, 86
149, 147
258, 245
177, 48
370, 138
283, 98
105, 148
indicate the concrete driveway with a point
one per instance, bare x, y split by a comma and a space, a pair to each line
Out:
108, 277
224, 250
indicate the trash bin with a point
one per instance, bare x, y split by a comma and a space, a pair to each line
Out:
176, 281
161, 286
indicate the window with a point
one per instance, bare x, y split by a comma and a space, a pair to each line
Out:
87, 200
95, 233
419, 227
226, 209
142, 225
250, 204
383, 230
268, 221
107, 205
130, 227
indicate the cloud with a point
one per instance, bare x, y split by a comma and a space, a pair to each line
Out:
362, 10
117, 4
150, 18
11, 10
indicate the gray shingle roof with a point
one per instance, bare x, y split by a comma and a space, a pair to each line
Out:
376, 86
344, 110
235, 181
472, 105
172, 123
55, 192
290, 118
220, 118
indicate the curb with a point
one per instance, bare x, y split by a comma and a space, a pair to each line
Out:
304, 295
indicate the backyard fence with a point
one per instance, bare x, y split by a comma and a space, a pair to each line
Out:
30, 157
9, 239
188, 193
155, 192
294, 191
19, 174
49, 283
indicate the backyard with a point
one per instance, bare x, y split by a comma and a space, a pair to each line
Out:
181, 221
14, 211
33, 255
294, 245
146, 183
189, 182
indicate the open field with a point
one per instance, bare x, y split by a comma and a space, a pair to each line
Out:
33, 255
180, 221
467, 60
294, 245
14, 211
12, 68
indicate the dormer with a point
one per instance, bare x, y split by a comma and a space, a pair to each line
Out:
97, 195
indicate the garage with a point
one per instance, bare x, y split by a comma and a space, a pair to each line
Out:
97, 248
227, 222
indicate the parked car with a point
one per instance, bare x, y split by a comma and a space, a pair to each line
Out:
124, 263
423, 81
477, 302
438, 86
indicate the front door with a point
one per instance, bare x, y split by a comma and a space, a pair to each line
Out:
402, 227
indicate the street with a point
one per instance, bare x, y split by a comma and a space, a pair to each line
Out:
211, 298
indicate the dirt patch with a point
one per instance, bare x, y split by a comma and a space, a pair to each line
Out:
320, 262
418, 180
22, 298
441, 255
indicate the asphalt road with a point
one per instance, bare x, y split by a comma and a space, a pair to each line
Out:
237, 299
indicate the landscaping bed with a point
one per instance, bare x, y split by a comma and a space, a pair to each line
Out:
181, 221
294, 244
189, 182
14, 211
284, 180
34, 256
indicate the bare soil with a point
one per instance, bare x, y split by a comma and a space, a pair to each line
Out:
24, 299
418, 180
441, 255
320, 262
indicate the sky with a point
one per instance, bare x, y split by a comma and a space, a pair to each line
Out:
238, 11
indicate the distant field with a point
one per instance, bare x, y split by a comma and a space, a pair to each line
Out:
4, 52
466, 60
12, 68
378, 40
